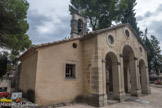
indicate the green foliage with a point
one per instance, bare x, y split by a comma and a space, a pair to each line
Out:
3, 64
149, 45
157, 58
129, 16
154, 56
13, 15
101, 13
13, 26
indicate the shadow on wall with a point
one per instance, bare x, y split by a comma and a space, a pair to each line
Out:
30, 95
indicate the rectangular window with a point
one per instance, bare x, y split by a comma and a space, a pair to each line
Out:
70, 72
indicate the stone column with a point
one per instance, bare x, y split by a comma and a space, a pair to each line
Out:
135, 89
147, 76
97, 96
139, 77
145, 81
121, 78
118, 93
129, 80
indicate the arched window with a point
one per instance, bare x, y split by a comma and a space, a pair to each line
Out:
80, 26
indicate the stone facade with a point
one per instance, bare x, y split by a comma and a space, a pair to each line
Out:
109, 64
137, 63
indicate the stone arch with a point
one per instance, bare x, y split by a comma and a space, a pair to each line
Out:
112, 51
143, 76
129, 70
112, 73
127, 43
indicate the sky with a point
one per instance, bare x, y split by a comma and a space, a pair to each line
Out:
49, 20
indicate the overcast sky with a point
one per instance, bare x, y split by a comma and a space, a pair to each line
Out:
49, 20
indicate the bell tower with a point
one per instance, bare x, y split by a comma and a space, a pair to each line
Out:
78, 25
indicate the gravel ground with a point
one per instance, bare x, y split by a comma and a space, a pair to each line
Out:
154, 100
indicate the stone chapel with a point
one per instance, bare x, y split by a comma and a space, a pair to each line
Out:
99, 66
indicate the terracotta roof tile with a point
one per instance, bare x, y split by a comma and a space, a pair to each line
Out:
82, 38
34, 47
54, 42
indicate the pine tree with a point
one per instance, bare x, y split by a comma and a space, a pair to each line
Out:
100, 13
149, 46
13, 26
129, 16
157, 58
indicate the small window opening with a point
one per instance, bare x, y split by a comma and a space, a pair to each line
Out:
111, 39
127, 33
141, 50
70, 71
74, 45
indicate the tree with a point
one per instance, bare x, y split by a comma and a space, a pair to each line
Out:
129, 16
100, 13
13, 26
149, 46
13, 15
157, 57
3, 64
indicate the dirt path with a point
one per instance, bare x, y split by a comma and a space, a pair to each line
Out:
154, 100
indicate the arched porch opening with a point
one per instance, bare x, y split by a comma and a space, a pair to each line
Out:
129, 69
143, 76
111, 75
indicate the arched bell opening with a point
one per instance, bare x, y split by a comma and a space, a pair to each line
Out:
80, 26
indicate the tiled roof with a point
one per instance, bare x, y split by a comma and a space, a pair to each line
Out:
47, 44
82, 38
55, 42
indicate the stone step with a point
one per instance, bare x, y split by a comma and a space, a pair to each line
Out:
110, 102
110, 96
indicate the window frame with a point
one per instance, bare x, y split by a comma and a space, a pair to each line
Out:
111, 39
107, 39
75, 70
141, 52
126, 29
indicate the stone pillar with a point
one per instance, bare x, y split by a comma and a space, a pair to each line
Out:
129, 80
145, 81
121, 77
104, 81
147, 76
118, 93
148, 90
97, 95
135, 88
